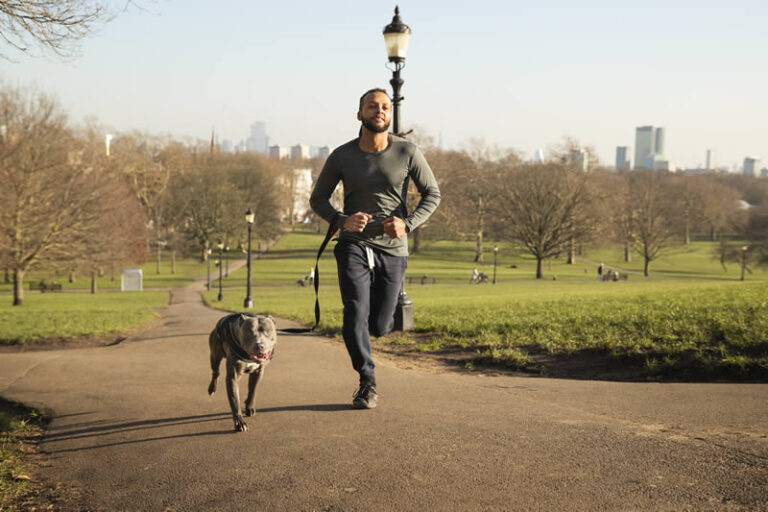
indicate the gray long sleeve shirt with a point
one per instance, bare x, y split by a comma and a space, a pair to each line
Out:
377, 184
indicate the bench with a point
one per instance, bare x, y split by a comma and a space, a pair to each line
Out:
44, 287
425, 279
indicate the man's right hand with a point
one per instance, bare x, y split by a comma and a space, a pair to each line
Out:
356, 222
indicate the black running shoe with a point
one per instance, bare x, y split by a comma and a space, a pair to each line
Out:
365, 397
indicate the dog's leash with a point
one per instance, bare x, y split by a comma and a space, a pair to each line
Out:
331, 231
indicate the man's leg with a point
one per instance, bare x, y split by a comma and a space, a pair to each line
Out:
387, 281
355, 286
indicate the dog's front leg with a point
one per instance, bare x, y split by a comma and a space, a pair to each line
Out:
253, 381
233, 393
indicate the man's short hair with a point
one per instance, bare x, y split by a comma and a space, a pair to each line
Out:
369, 91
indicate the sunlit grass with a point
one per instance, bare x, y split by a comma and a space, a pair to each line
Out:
63, 315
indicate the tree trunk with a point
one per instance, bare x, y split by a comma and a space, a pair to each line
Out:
93, 281
645, 267
158, 259
71, 276
479, 247
7, 275
627, 253
712, 233
687, 233
416, 235
539, 273
173, 262
18, 287
571, 252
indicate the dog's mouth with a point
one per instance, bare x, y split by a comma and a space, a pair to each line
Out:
261, 356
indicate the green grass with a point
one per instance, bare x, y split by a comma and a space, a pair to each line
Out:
187, 270
15, 423
690, 320
64, 315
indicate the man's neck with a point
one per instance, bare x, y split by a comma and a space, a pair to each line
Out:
372, 142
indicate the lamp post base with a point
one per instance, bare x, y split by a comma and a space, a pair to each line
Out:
248, 303
404, 313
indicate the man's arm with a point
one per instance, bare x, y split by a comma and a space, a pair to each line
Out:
320, 200
426, 184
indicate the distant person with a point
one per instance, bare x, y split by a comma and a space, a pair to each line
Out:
600, 270
474, 277
372, 251
311, 275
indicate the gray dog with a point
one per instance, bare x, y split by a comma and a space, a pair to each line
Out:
248, 342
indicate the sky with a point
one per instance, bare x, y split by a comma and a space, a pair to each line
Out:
514, 74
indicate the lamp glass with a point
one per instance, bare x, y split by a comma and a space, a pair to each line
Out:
397, 44
250, 217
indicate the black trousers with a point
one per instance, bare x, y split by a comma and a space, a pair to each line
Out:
369, 296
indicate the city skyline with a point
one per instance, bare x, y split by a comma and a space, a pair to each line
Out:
514, 75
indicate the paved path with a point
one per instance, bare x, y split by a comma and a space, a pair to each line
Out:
133, 425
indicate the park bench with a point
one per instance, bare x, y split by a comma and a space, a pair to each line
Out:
42, 286
425, 279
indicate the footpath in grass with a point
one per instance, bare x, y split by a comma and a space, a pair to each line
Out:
62, 316
669, 327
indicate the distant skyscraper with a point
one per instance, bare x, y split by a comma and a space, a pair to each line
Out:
649, 146
323, 151
279, 152
622, 158
538, 156
751, 166
579, 158
258, 141
299, 152
710, 160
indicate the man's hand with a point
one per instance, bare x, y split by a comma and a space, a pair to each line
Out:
394, 227
356, 222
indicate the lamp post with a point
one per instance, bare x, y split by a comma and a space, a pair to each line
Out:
208, 257
220, 245
396, 37
495, 253
249, 218
226, 260
744, 250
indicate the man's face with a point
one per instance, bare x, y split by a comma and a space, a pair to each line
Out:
376, 112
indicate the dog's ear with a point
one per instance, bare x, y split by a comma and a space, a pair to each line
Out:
241, 319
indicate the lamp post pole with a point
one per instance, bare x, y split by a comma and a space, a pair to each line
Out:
221, 271
249, 218
743, 260
226, 259
495, 253
396, 37
208, 257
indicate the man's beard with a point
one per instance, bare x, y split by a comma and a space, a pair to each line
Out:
375, 128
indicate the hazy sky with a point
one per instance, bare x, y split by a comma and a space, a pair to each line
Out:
516, 74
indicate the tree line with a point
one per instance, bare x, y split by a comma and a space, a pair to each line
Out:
554, 209
74, 204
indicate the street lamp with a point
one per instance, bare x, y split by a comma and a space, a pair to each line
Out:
495, 253
226, 260
220, 245
249, 218
208, 257
744, 250
396, 37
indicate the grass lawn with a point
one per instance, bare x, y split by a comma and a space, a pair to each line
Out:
187, 270
688, 320
63, 315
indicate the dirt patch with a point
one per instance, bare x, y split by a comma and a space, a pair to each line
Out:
59, 343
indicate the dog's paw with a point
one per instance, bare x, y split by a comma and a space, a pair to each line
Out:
240, 425
250, 411
211, 389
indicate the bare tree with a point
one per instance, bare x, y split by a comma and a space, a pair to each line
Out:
652, 203
55, 196
52, 25
543, 207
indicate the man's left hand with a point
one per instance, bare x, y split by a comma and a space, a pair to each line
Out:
394, 227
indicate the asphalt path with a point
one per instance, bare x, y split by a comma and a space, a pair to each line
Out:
134, 428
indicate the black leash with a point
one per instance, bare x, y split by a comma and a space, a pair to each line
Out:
331, 231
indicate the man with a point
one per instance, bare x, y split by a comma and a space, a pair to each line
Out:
371, 254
